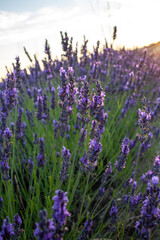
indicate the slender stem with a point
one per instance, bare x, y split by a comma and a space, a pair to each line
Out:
83, 199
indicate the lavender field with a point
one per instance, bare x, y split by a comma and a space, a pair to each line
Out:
79, 145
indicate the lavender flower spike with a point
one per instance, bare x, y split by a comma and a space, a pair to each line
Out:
41, 156
120, 164
45, 228
65, 164
60, 213
17, 226
86, 230
7, 230
59, 208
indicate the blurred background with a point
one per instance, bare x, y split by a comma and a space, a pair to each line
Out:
29, 23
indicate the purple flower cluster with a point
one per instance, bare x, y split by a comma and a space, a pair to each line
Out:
20, 128
59, 208
121, 162
135, 199
97, 107
86, 230
72, 89
60, 212
11, 231
113, 212
84, 57
67, 93
7, 230
144, 123
45, 228
67, 47
84, 102
56, 127
5, 153
17, 72
17, 226
41, 156
65, 164
10, 91
42, 108
63, 95
89, 160
53, 228
52, 100
146, 177
150, 214
48, 64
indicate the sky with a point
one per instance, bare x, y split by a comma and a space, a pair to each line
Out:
29, 23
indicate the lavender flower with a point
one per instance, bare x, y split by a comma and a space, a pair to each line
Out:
60, 212
39, 113
46, 110
20, 127
156, 165
113, 212
35, 92
29, 92
18, 75
120, 164
97, 103
48, 68
63, 119
17, 226
150, 214
45, 228
59, 208
7, 229
144, 123
63, 91
83, 102
89, 160
63, 95
72, 89
56, 128
86, 230
135, 200
65, 164
5, 153
52, 100
78, 120
10, 92
83, 136
93, 129
41, 156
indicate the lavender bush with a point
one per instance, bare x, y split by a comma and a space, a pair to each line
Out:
84, 129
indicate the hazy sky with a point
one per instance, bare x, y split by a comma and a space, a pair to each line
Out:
28, 23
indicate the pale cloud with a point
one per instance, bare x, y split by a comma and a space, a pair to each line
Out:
16, 27
11, 20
